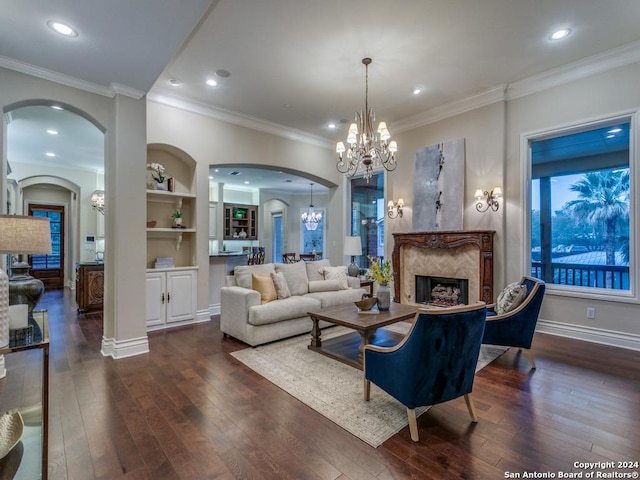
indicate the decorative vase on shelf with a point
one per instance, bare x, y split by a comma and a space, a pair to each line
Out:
242, 234
162, 186
384, 297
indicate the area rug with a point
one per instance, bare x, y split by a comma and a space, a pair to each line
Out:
334, 389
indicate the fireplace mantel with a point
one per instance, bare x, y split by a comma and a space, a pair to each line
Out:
450, 241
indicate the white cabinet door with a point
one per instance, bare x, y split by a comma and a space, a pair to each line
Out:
181, 291
156, 297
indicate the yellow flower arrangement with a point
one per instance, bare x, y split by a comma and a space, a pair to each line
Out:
379, 271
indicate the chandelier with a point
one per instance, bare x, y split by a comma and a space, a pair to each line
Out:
311, 218
368, 148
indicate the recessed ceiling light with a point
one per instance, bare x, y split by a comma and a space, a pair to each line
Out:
62, 28
247, 182
210, 177
51, 131
418, 90
50, 154
175, 82
560, 34
216, 170
332, 126
211, 82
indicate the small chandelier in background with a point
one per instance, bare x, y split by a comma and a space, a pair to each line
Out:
311, 218
97, 200
368, 148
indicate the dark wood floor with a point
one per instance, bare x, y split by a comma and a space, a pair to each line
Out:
188, 410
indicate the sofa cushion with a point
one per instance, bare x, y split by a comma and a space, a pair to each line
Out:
243, 273
266, 288
282, 289
336, 273
331, 299
509, 298
296, 277
281, 310
314, 267
324, 286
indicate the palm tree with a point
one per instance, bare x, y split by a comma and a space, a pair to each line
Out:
603, 200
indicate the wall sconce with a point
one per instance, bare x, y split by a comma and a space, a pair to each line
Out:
395, 210
97, 200
488, 199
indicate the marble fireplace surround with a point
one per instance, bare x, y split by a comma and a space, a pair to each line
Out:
453, 254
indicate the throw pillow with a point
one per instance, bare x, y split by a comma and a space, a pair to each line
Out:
337, 273
282, 289
314, 268
264, 285
296, 277
509, 298
243, 273
323, 286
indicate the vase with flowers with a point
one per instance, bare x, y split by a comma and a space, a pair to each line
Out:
157, 173
381, 272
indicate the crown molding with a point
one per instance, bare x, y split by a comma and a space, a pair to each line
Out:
603, 62
118, 89
69, 81
158, 96
441, 112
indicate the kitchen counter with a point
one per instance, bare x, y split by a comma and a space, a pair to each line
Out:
230, 253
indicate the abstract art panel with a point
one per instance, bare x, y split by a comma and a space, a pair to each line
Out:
438, 187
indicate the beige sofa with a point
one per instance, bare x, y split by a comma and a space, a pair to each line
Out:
244, 317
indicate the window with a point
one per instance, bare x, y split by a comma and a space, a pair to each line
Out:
580, 207
368, 212
278, 236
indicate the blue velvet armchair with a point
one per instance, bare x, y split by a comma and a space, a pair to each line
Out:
516, 327
435, 362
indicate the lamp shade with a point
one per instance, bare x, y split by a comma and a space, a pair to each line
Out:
24, 235
352, 246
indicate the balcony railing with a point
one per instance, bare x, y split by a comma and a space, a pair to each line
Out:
578, 274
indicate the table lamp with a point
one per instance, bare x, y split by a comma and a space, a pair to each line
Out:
353, 248
21, 235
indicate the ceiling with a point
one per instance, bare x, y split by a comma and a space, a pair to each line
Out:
295, 66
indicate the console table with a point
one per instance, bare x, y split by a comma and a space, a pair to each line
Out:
89, 285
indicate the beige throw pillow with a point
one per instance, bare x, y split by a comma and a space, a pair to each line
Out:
296, 277
282, 289
264, 285
510, 298
337, 273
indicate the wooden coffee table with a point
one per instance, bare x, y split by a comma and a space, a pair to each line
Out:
348, 348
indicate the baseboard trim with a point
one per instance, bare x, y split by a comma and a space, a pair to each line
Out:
203, 316
125, 348
589, 334
214, 309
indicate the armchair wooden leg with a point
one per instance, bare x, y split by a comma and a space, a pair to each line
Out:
471, 407
413, 424
527, 352
367, 390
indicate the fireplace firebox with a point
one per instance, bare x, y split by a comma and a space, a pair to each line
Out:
442, 291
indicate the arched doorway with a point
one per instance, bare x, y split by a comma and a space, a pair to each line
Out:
56, 158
